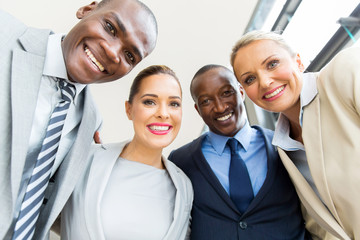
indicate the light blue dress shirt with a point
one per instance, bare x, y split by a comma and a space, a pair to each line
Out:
252, 151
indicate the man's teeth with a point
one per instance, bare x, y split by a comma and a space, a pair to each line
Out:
226, 117
274, 93
159, 128
94, 60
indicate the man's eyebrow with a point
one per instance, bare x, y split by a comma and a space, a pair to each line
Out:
123, 30
137, 52
119, 23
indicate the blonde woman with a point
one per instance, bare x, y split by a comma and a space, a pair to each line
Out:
318, 131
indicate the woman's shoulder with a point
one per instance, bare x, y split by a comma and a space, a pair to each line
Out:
344, 65
179, 178
104, 153
108, 148
340, 79
172, 168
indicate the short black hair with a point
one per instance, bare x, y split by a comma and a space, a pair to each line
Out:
203, 70
142, 5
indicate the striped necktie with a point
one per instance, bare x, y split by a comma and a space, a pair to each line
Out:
241, 192
34, 195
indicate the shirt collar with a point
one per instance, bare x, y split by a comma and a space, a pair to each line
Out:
282, 130
282, 137
309, 89
244, 137
55, 64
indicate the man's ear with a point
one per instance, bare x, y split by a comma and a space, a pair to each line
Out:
299, 63
128, 110
85, 10
242, 92
196, 107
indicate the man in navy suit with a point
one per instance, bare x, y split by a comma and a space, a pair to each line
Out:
274, 212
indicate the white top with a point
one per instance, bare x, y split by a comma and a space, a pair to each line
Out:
137, 198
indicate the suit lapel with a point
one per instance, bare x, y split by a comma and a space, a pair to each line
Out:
309, 199
314, 152
272, 163
209, 175
179, 206
27, 68
72, 166
97, 181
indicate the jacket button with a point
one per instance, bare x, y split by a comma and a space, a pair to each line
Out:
243, 225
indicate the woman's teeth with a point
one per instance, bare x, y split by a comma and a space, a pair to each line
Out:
274, 93
159, 128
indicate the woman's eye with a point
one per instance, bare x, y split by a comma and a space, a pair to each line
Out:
130, 57
110, 28
175, 104
148, 102
273, 64
249, 80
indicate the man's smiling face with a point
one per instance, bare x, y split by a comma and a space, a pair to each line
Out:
218, 100
108, 42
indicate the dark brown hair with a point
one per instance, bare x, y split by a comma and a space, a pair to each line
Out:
149, 71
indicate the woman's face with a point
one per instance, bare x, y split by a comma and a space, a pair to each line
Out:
271, 77
156, 111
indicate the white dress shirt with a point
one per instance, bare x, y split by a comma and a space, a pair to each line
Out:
282, 139
49, 96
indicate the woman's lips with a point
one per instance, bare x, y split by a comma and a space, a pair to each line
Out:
159, 129
274, 94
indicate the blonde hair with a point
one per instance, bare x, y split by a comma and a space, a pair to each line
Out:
256, 35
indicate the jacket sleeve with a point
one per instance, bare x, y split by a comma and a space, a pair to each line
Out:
341, 78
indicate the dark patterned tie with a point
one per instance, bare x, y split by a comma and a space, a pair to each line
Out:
34, 195
241, 192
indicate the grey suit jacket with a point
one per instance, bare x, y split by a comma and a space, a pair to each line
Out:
22, 52
81, 218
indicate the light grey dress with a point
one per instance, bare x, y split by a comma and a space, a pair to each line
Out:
137, 195
111, 203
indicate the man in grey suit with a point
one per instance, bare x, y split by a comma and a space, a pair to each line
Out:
111, 38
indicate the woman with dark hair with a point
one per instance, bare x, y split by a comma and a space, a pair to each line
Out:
130, 191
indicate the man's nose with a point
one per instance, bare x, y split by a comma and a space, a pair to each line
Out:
220, 106
112, 50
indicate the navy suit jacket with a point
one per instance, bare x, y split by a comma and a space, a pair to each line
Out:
273, 214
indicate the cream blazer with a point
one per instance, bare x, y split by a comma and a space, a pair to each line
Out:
331, 135
80, 218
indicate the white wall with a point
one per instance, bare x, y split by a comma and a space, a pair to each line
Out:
192, 33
